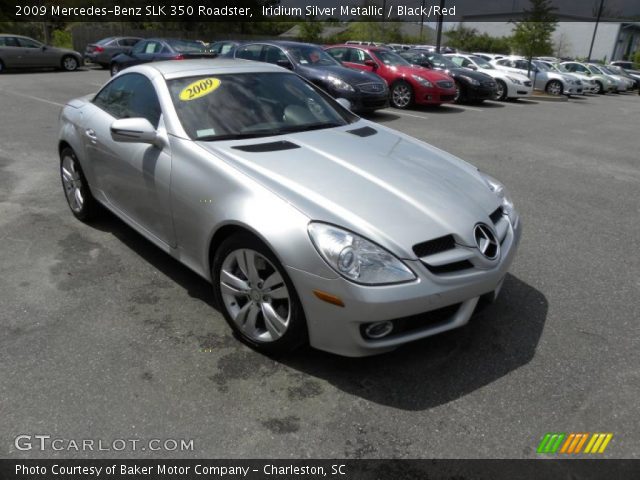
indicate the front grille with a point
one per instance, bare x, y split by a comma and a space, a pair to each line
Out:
371, 87
578, 82
496, 215
431, 247
447, 98
489, 83
449, 267
527, 83
445, 84
419, 321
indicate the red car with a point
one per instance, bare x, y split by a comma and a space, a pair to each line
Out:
408, 84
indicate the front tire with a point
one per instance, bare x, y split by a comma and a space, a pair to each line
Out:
1, 67
401, 95
114, 69
501, 90
554, 87
460, 96
256, 296
76, 188
599, 88
69, 63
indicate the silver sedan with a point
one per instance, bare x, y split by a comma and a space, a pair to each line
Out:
312, 224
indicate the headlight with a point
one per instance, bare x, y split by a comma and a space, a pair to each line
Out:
340, 84
422, 81
501, 192
356, 258
470, 80
514, 80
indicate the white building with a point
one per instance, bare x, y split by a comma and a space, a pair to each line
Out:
615, 40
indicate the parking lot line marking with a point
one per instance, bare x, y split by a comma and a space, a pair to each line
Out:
34, 98
408, 114
474, 109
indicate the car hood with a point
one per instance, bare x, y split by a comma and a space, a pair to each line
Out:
429, 74
467, 72
349, 75
386, 186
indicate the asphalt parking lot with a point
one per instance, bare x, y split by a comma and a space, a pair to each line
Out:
105, 337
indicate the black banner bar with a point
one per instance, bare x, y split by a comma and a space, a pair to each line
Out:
575, 469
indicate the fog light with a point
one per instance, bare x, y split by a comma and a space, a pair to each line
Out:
378, 329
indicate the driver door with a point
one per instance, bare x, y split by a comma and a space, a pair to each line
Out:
133, 177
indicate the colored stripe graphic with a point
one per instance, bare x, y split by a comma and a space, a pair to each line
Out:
573, 443
550, 442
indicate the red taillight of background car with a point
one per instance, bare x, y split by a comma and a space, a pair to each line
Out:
178, 57
98, 49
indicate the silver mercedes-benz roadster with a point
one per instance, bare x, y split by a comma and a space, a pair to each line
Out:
312, 224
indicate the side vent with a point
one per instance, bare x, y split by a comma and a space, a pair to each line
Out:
267, 147
363, 132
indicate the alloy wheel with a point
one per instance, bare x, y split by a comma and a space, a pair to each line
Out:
401, 95
255, 295
72, 182
554, 88
69, 64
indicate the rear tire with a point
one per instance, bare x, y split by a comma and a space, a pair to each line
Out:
76, 188
69, 63
256, 296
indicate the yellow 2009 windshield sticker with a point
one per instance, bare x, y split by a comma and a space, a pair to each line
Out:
199, 88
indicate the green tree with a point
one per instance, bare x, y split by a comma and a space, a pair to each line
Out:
310, 31
470, 40
532, 36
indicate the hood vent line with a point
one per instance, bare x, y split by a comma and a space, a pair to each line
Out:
363, 132
267, 147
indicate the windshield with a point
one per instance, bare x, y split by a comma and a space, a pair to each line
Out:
482, 63
561, 68
310, 55
593, 69
390, 58
606, 70
245, 105
542, 66
184, 46
440, 61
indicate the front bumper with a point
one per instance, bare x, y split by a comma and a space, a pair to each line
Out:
518, 91
338, 329
431, 95
480, 92
367, 102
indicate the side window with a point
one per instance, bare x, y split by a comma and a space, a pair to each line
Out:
140, 47
521, 64
359, 56
460, 61
8, 42
249, 52
129, 42
274, 54
130, 96
340, 54
152, 47
28, 43
504, 63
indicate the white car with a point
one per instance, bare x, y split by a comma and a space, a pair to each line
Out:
545, 79
588, 84
510, 85
488, 56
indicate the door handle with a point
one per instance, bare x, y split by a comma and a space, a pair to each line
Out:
89, 132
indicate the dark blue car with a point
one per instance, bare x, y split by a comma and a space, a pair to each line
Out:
365, 90
158, 49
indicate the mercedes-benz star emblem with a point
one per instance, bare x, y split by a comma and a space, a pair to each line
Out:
487, 242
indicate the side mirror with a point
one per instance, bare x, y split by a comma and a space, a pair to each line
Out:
371, 63
285, 64
134, 130
344, 102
